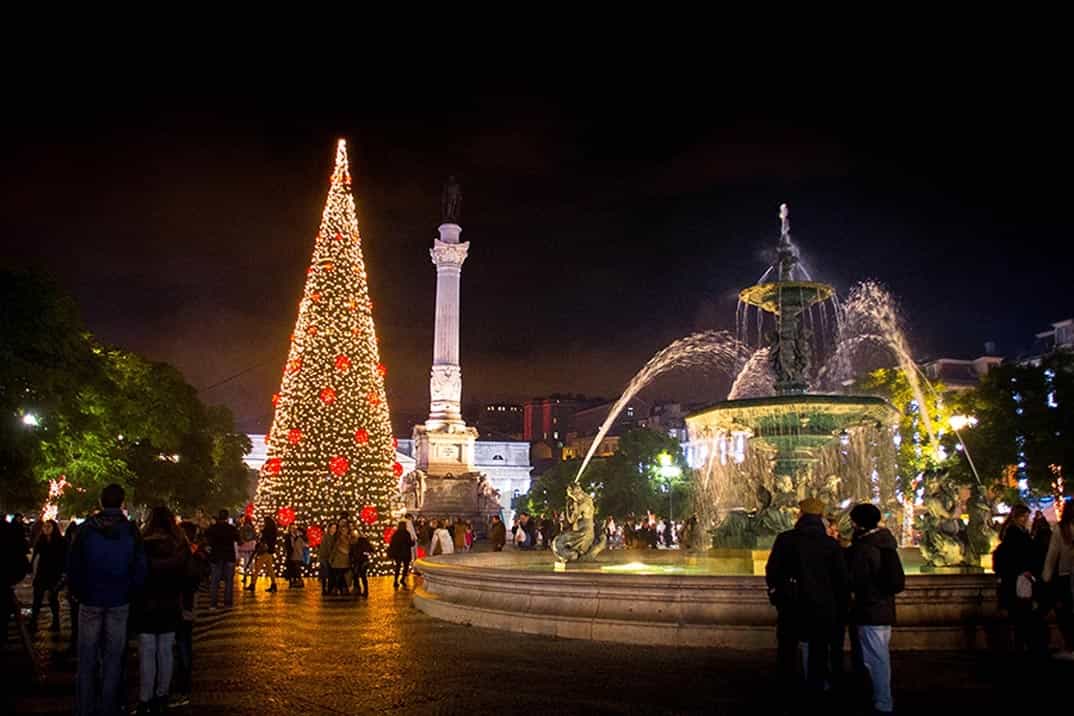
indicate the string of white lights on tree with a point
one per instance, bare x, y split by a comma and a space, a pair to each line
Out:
330, 449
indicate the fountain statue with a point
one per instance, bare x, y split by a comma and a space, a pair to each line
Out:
580, 542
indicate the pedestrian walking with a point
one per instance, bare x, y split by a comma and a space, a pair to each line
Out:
1058, 565
497, 534
265, 556
361, 554
295, 547
49, 556
1013, 562
399, 551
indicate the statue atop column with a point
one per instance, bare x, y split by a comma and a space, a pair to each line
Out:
451, 202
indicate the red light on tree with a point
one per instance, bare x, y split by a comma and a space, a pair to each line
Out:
374, 399
273, 465
328, 396
314, 535
343, 363
397, 469
294, 435
339, 465
388, 533
361, 436
368, 514
285, 516
275, 398
382, 369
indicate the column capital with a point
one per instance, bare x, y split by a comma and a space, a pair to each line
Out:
445, 254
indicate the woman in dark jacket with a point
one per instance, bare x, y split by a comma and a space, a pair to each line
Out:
361, 552
50, 552
1015, 557
159, 606
399, 552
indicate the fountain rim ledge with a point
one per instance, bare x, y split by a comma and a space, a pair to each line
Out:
798, 399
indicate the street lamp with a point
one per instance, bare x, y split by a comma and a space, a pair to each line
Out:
30, 420
667, 469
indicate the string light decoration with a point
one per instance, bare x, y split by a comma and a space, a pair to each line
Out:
330, 447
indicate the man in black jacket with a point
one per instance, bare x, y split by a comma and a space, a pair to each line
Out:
807, 583
876, 576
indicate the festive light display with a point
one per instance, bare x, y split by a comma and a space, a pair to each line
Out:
285, 516
330, 448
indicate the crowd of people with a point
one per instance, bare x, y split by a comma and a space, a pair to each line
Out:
127, 581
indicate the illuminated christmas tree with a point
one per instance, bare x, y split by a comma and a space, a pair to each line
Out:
330, 447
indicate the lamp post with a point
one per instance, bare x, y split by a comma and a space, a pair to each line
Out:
667, 469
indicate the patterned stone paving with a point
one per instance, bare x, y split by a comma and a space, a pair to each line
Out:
295, 652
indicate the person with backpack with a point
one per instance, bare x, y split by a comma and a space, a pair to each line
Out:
1013, 562
105, 566
807, 582
222, 539
159, 607
876, 576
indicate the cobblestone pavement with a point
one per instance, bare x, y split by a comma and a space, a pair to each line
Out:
296, 652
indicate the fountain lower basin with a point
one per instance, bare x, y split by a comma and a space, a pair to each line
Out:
654, 597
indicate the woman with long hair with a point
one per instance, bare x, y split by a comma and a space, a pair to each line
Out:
1058, 566
159, 607
50, 551
1013, 562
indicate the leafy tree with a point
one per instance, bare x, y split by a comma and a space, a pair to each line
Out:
625, 483
104, 415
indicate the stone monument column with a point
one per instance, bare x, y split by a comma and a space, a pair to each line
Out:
445, 381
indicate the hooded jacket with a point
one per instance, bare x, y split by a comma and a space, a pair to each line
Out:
874, 600
106, 561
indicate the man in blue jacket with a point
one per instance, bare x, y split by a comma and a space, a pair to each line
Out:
104, 566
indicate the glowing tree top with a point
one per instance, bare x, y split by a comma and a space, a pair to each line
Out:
330, 448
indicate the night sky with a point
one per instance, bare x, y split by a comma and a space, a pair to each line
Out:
601, 226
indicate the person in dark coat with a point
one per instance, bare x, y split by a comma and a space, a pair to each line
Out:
808, 584
50, 552
1016, 557
221, 540
876, 576
69, 536
399, 552
158, 608
497, 534
361, 553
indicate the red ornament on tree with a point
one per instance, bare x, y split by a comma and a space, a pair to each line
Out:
361, 436
338, 465
311, 331
339, 236
343, 363
368, 514
328, 396
388, 532
273, 465
397, 469
275, 398
294, 435
314, 535
315, 296
249, 511
293, 366
382, 369
285, 516
395, 442
373, 398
